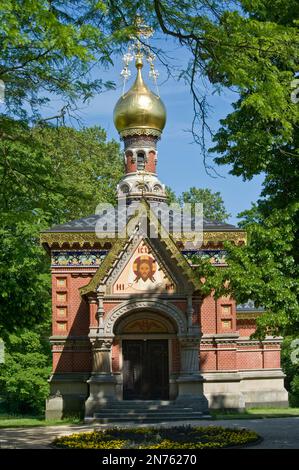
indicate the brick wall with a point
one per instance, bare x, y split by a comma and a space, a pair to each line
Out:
175, 348
208, 317
246, 327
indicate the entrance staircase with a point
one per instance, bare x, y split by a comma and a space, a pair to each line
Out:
153, 411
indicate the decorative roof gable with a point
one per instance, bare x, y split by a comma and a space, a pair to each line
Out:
122, 271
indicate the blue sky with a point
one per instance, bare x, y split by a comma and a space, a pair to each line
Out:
180, 162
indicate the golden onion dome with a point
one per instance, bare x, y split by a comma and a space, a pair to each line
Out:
139, 109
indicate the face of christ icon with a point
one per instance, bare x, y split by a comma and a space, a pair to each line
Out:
144, 268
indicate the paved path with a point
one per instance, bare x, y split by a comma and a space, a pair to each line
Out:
278, 433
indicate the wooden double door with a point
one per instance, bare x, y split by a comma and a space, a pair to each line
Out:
145, 369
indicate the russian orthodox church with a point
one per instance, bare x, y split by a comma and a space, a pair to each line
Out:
133, 335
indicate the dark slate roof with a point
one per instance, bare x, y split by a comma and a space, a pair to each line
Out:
88, 224
249, 306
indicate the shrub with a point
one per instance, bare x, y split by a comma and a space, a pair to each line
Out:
294, 395
291, 370
23, 376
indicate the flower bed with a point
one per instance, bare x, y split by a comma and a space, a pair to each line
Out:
180, 437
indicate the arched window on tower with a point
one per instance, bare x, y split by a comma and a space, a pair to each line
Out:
140, 161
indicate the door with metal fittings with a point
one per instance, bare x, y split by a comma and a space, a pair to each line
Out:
145, 369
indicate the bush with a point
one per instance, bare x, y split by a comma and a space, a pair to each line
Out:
180, 437
294, 395
291, 370
23, 376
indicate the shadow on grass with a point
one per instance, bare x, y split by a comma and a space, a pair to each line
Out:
10, 420
255, 413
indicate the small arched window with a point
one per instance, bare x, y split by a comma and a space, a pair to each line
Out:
140, 161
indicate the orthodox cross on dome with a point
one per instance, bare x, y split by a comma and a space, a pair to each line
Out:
138, 49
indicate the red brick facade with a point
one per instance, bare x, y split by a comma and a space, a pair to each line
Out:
74, 315
149, 162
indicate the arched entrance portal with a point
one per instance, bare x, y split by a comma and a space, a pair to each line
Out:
145, 351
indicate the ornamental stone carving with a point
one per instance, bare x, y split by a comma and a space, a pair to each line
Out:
171, 311
101, 351
189, 355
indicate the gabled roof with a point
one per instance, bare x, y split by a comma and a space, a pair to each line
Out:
163, 246
92, 230
88, 224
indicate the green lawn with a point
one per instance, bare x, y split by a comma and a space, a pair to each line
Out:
256, 413
16, 421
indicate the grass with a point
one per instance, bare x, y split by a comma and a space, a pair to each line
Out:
256, 413
17, 421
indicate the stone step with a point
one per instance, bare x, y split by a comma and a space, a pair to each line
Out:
150, 407
145, 419
143, 402
142, 406
145, 413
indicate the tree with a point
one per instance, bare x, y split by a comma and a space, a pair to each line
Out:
23, 376
291, 369
49, 48
213, 205
261, 136
171, 196
250, 47
41, 186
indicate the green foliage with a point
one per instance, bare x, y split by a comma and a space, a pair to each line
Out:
252, 48
263, 270
261, 136
49, 48
171, 196
180, 437
23, 376
291, 369
213, 205
41, 186
294, 397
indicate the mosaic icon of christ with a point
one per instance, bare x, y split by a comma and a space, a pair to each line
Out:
142, 274
144, 268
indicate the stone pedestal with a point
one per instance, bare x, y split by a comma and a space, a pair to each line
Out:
101, 391
190, 382
68, 393
102, 383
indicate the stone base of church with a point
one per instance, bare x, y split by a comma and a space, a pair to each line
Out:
79, 394
68, 393
101, 391
247, 389
190, 392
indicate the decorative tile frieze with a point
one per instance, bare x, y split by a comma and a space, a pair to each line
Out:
86, 258
215, 256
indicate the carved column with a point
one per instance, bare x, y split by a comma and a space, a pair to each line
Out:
190, 382
93, 306
102, 381
189, 355
101, 354
190, 312
100, 312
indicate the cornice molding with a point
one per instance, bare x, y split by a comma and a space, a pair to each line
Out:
248, 315
70, 238
81, 238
